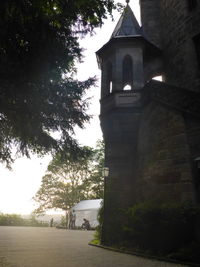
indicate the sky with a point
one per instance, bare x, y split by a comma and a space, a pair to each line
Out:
17, 187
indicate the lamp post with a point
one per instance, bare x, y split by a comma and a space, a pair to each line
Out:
105, 173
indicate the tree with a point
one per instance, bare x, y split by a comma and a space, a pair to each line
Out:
68, 181
63, 184
96, 179
38, 51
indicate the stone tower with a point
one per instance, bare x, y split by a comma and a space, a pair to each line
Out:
174, 25
151, 129
150, 17
127, 62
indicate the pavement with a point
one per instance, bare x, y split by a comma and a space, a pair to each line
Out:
51, 247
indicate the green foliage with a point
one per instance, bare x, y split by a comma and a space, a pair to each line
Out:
161, 227
62, 186
95, 241
33, 221
71, 179
38, 51
95, 180
98, 232
188, 253
17, 220
63, 221
11, 220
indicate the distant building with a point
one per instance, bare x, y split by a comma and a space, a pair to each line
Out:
151, 129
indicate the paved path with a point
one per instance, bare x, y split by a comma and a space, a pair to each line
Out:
50, 247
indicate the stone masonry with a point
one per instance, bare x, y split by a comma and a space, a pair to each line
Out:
174, 25
152, 129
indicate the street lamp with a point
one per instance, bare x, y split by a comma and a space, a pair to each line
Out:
105, 172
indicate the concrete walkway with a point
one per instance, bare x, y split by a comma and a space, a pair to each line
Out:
50, 247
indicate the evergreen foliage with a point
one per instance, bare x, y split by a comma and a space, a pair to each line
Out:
38, 51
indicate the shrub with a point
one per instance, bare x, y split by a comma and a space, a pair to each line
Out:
161, 227
98, 231
189, 253
11, 219
17, 220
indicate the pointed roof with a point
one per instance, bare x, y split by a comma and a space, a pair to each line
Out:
128, 30
127, 25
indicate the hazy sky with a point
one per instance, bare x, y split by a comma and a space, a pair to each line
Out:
17, 187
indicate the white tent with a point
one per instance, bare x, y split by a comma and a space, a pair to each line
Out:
87, 209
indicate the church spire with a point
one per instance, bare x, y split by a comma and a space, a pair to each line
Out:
127, 24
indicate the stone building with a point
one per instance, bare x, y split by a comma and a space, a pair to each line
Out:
151, 129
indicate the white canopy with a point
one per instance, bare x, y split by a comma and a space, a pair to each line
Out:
87, 209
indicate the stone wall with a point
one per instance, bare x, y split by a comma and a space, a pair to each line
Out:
193, 135
150, 150
177, 24
150, 17
164, 170
151, 143
120, 128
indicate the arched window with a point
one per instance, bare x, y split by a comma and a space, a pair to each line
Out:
127, 73
127, 87
109, 77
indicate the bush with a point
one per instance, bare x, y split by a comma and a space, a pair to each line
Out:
11, 219
17, 220
189, 253
98, 231
161, 228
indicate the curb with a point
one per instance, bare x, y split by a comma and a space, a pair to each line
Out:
143, 255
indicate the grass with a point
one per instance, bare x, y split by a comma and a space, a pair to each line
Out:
95, 242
